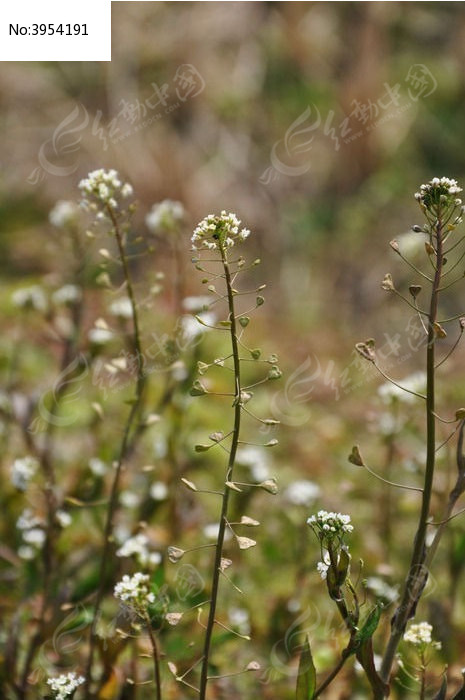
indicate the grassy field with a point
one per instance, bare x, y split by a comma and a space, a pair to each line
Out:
151, 381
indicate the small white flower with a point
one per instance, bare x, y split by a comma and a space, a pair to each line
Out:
97, 466
129, 499
323, 566
239, 619
30, 298
179, 371
64, 518
196, 304
216, 232
158, 491
121, 308
192, 329
63, 686
100, 336
134, 592
302, 492
28, 520
63, 214
165, 217
27, 553
68, 294
137, 547
22, 471
35, 537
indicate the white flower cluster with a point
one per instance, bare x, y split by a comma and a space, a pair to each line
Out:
381, 589
137, 547
22, 471
63, 214
158, 491
217, 232
165, 217
134, 591
100, 336
328, 524
257, 460
420, 635
121, 308
439, 191
323, 566
191, 329
104, 187
63, 686
97, 466
68, 294
30, 298
302, 492
33, 533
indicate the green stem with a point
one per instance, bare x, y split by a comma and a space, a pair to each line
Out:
329, 679
229, 473
121, 456
156, 658
416, 577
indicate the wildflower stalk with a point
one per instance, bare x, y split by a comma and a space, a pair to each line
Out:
69, 361
437, 202
417, 576
123, 450
229, 474
156, 657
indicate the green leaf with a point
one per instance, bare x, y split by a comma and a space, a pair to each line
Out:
306, 678
343, 566
441, 694
369, 626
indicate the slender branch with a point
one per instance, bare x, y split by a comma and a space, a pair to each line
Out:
229, 475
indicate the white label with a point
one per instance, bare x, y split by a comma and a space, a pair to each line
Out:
55, 31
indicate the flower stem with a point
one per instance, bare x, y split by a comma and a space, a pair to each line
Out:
140, 384
417, 575
229, 473
156, 658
